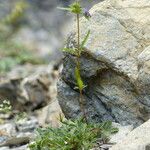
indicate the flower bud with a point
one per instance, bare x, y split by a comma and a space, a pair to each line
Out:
86, 13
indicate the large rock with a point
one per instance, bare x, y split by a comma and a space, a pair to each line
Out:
29, 87
115, 65
138, 139
17, 134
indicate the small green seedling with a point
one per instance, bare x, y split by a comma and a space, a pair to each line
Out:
76, 9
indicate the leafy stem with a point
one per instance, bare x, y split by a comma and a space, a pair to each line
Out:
81, 99
76, 9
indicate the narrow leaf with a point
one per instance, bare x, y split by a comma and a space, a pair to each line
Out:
85, 39
79, 80
114, 130
63, 8
70, 50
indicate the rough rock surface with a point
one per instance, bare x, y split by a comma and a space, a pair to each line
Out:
16, 134
121, 134
138, 139
115, 65
115, 138
30, 87
50, 114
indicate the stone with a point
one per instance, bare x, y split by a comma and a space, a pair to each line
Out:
138, 139
121, 134
50, 115
2, 138
105, 146
27, 125
147, 147
29, 87
24, 147
114, 138
115, 64
7, 129
16, 134
15, 141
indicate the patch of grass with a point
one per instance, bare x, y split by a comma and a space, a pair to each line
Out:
72, 135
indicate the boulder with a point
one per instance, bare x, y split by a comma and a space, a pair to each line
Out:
115, 64
50, 115
121, 134
138, 139
17, 133
29, 87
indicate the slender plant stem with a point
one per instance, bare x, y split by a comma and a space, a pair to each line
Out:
81, 99
78, 36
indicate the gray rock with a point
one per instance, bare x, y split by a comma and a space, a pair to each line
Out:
138, 139
121, 134
115, 65
2, 138
30, 90
50, 114
4, 148
8, 129
16, 136
25, 125
24, 147
105, 146
15, 141
68, 100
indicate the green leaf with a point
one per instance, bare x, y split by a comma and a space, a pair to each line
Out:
114, 130
106, 130
74, 8
63, 8
85, 39
72, 134
70, 50
107, 125
80, 83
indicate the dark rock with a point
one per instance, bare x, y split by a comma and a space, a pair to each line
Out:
147, 147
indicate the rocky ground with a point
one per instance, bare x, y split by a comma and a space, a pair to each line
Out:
115, 67
29, 94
